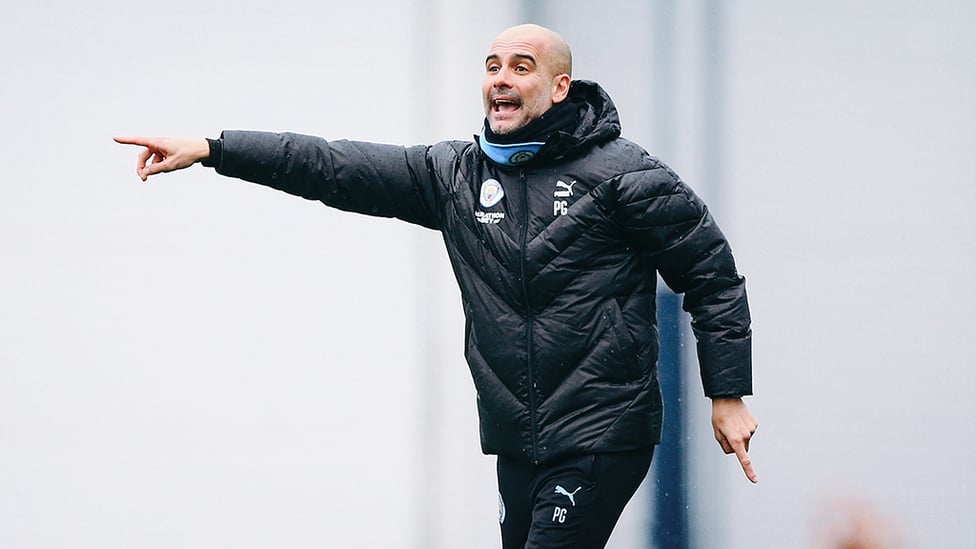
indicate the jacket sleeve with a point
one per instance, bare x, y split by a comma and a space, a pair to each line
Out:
670, 226
368, 178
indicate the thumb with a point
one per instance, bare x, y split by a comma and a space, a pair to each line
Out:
159, 164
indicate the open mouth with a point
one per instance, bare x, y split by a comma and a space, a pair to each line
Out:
504, 104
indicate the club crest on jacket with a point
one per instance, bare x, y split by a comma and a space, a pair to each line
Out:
491, 193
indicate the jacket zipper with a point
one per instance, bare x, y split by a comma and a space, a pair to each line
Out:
528, 318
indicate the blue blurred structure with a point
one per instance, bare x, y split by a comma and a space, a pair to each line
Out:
670, 510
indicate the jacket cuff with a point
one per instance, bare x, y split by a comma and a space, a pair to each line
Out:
726, 369
216, 151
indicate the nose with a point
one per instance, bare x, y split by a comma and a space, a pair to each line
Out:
501, 79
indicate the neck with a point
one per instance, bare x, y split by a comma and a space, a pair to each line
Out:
561, 116
521, 145
508, 154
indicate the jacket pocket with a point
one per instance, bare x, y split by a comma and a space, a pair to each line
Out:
619, 348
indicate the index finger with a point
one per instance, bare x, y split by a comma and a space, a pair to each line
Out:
745, 461
133, 140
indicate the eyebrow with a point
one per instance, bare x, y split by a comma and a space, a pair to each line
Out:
525, 56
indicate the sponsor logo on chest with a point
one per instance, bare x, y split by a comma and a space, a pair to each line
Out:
491, 194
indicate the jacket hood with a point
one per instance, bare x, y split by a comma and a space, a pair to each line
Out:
598, 119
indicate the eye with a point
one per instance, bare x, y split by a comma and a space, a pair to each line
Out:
521, 68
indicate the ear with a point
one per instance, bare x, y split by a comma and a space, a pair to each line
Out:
560, 87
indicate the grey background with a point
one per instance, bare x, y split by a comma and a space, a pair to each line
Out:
201, 362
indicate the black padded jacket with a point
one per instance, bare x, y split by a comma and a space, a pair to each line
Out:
557, 263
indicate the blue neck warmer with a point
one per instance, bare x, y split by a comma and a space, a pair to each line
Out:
509, 155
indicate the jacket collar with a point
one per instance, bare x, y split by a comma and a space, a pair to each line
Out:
597, 123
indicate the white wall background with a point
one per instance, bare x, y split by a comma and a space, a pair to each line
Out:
199, 362
852, 158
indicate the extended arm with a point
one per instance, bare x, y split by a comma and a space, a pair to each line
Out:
368, 178
166, 154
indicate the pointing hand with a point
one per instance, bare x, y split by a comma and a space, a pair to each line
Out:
734, 427
166, 154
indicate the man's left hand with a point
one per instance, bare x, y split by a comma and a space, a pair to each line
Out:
734, 426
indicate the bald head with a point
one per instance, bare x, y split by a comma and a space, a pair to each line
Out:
527, 71
557, 56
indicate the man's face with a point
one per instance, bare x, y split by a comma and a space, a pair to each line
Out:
518, 85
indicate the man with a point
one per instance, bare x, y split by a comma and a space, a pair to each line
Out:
556, 229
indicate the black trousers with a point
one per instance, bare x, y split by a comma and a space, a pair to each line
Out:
571, 503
